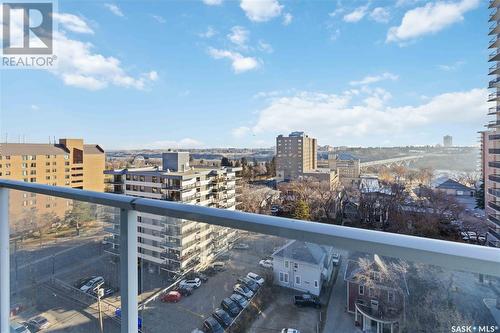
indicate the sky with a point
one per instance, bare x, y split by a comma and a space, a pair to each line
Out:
220, 73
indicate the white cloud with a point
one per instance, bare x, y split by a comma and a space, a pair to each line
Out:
356, 15
374, 78
114, 9
186, 143
239, 62
72, 23
239, 36
159, 18
80, 66
287, 19
212, 2
336, 12
354, 115
265, 47
261, 10
452, 67
240, 132
380, 15
431, 18
209, 33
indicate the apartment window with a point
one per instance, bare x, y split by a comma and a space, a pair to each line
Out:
141, 188
24, 165
47, 163
287, 263
0, 174
7, 173
47, 170
142, 178
54, 163
66, 163
286, 278
25, 180
47, 156
154, 179
361, 290
7, 165
295, 265
66, 170
375, 276
47, 177
154, 190
25, 173
33, 172
0, 166
390, 296
134, 178
33, 180
127, 187
7, 157
316, 284
282, 277
33, 165
25, 157
32, 157
297, 279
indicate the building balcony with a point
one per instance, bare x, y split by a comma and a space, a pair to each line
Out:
494, 124
493, 97
494, 29
494, 110
494, 4
459, 262
494, 178
494, 219
493, 83
494, 191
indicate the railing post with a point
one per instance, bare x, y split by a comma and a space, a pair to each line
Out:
4, 261
128, 271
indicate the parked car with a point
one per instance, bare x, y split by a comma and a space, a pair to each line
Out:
240, 300
87, 287
249, 283
222, 317
81, 282
194, 283
38, 323
171, 297
199, 275
335, 258
107, 292
243, 290
307, 300
210, 271
210, 325
275, 209
16, 327
257, 278
118, 314
230, 306
219, 266
266, 263
241, 246
289, 330
185, 291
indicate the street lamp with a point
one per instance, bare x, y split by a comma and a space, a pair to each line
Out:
100, 293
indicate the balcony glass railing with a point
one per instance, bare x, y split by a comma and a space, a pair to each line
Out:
364, 280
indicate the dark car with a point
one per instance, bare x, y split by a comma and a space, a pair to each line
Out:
210, 325
249, 283
210, 271
185, 291
199, 275
222, 317
307, 300
230, 306
240, 300
81, 282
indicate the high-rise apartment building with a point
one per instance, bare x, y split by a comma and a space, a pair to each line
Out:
295, 154
70, 163
492, 186
447, 141
170, 244
347, 168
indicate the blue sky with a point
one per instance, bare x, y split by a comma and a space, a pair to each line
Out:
219, 73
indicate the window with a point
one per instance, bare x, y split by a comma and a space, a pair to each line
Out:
141, 178
47, 163
282, 276
361, 290
390, 296
286, 277
316, 284
297, 279
7, 173
375, 276
287, 264
295, 265
24, 165
66, 163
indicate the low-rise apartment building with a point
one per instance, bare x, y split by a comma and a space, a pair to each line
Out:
347, 168
69, 163
170, 244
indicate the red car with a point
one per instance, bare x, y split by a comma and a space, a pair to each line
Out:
171, 297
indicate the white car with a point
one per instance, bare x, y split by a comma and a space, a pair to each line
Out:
289, 330
194, 283
16, 327
243, 290
266, 263
89, 286
335, 258
255, 277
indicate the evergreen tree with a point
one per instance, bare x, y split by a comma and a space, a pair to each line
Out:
301, 211
225, 162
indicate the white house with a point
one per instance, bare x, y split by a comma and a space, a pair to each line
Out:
303, 266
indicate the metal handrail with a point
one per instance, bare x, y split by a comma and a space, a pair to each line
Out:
452, 255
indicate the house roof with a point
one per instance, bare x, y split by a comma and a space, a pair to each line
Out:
92, 149
303, 251
450, 184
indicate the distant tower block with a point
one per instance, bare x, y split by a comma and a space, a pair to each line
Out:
447, 141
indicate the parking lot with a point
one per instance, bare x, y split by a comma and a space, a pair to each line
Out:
190, 312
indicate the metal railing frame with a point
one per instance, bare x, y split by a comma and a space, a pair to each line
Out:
451, 255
